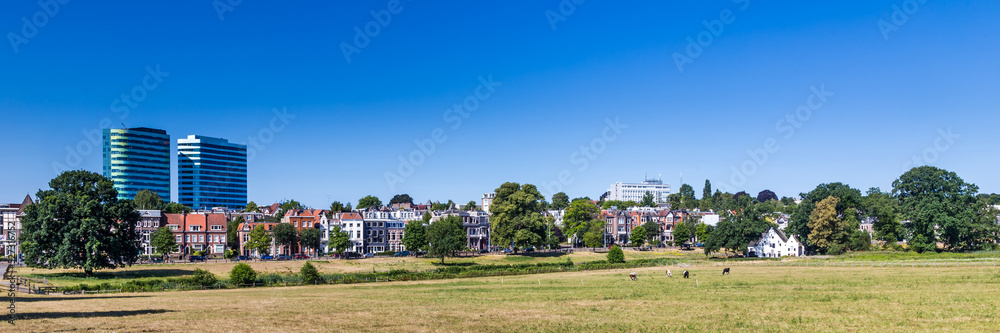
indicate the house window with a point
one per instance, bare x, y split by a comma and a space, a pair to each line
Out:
195, 228
178, 238
201, 238
187, 238
216, 227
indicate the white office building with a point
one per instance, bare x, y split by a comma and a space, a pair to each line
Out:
635, 191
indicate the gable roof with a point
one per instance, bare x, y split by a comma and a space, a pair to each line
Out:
780, 234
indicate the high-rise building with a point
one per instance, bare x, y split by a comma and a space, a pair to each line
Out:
634, 192
137, 159
211, 172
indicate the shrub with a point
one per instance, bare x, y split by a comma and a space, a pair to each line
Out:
616, 256
204, 278
835, 249
242, 274
309, 273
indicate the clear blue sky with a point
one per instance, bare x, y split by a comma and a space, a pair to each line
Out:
937, 70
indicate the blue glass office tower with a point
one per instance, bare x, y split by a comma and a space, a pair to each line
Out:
211, 172
137, 159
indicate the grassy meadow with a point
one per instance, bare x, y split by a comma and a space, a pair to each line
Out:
760, 299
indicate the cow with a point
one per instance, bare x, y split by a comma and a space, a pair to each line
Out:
632, 276
686, 275
725, 271
669, 274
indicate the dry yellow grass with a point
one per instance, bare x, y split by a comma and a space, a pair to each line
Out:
759, 299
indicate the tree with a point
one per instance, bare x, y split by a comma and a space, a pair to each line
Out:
471, 206
446, 237
559, 201
682, 233
647, 200
339, 239
883, 209
415, 236
400, 199
285, 235
941, 207
638, 236
826, 227
735, 232
766, 195
742, 199
687, 198
80, 223
337, 207
175, 208
799, 222
652, 230
260, 240
703, 231
675, 201
554, 235
147, 199
516, 208
288, 205
163, 241
616, 256
594, 236
311, 238
242, 274
309, 273
706, 196
251, 207
577, 216
232, 232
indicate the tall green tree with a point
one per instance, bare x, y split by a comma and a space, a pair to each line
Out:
260, 240
653, 232
850, 198
515, 209
339, 239
883, 208
471, 206
594, 236
638, 236
147, 199
232, 233
647, 200
706, 197
415, 236
337, 207
251, 207
175, 208
311, 238
80, 223
285, 235
559, 201
446, 237
400, 198
370, 201
578, 216
687, 198
163, 241
682, 233
941, 207
288, 205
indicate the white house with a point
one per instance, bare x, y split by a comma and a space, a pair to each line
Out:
774, 244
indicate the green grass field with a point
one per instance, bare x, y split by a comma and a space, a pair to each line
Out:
759, 299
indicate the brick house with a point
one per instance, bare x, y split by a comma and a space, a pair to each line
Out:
243, 232
199, 232
149, 221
